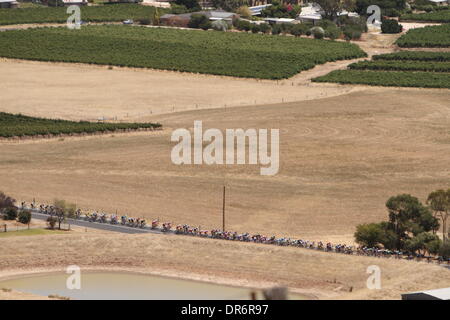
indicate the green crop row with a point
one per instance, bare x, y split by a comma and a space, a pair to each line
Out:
431, 36
210, 52
388, 78
404, 65
414, 55
106, 13
434, 16
16, 125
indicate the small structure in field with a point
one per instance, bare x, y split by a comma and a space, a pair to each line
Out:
8, 4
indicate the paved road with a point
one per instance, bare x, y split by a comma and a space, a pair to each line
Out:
98, 225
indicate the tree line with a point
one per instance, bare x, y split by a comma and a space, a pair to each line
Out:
411, 226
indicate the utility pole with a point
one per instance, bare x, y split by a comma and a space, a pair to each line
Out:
223, 211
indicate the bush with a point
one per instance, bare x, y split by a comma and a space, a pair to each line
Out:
24, 216
391, 26
317, 32
255, 28
264, 27
51, 222
199, 21
10, 214
276, 29
242, 25
244, 12
144, 22
297, 30
219, 25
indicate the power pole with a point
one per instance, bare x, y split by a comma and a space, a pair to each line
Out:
223, 211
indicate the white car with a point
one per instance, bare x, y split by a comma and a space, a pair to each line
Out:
129, 21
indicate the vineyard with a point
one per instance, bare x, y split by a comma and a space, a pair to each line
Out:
431, 36
18, 126
106, 13
209, 52
414, 55
442, 16
392, 79
403, 65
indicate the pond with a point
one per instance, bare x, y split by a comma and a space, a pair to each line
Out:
124, 286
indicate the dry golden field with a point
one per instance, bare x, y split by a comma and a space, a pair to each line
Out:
314, 274
341, 158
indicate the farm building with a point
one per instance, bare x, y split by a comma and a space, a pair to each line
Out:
438, 294
7, 4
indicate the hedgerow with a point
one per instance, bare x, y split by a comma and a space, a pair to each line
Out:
220, 53
431, 36
16, 125
388, 78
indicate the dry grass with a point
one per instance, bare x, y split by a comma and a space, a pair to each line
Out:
317, 273
341, 158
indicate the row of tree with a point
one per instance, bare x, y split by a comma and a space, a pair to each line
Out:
411, 225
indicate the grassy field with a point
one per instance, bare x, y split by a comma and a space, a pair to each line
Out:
341, 158
219, 53
16, 125
435, 16
106, 13
428, 37
31, 232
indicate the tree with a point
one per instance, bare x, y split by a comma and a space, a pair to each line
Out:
51, 222
63, 210
423, 242
6, 202
199, 21
244, 12
444, 250
192, 5
156, 17
391, 26
369, 235
10, 213
439, 202
230, 5
408, 217
24, 216
331, 8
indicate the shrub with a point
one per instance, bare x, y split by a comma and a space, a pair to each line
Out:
264, 27
391, 26
242, 25
144, 22
219, 25
51, 222
24, 216
255, 28
244, 12
276, 29
297, 30
10, 213
199, 21
317, 32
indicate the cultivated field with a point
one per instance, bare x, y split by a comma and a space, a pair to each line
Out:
316, 274
220, 53
341, 158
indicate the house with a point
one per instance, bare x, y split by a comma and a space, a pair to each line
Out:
8, 4
75, 2
438, 294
